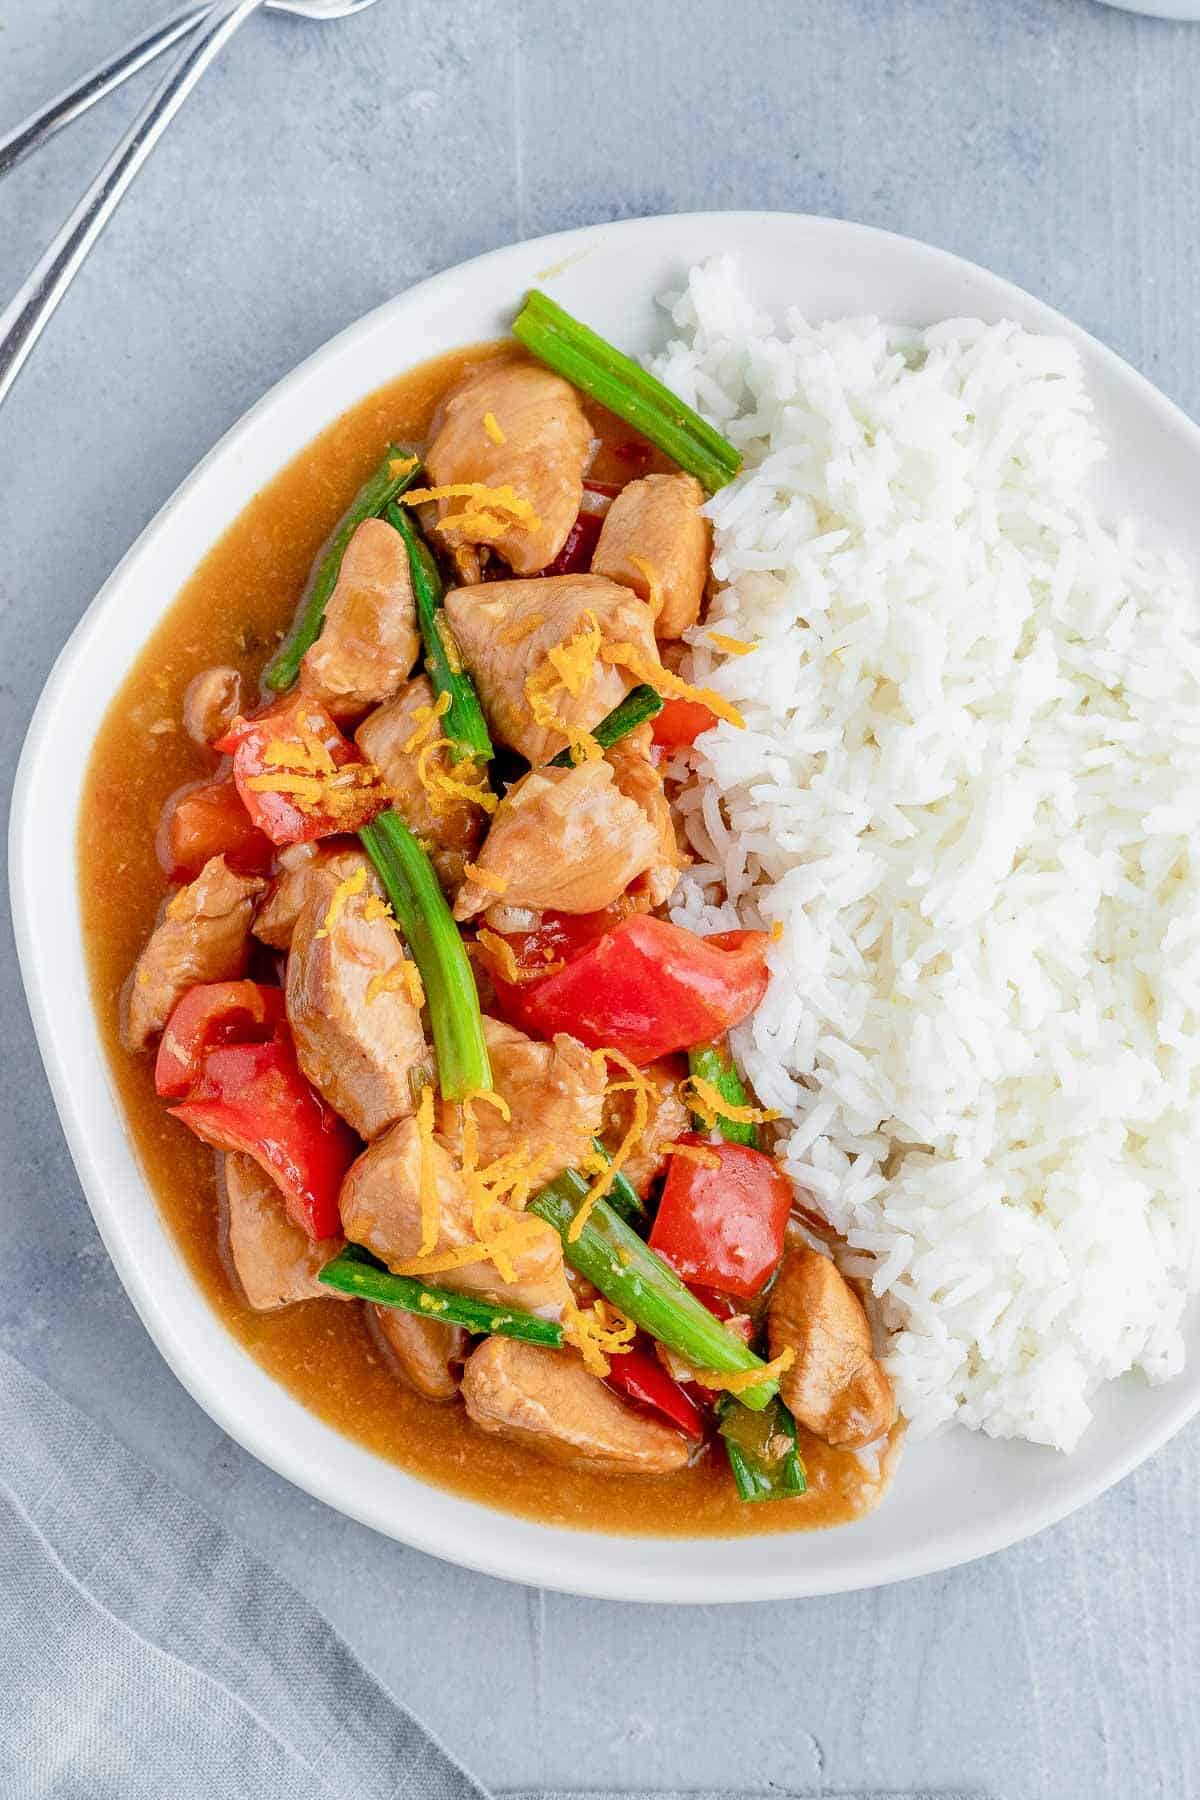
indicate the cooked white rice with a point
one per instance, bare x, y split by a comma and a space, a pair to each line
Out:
969, 790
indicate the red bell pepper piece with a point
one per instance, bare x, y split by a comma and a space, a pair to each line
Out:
638, 1374
723, 1227
646, 987
207, 819
576, 553
253, 1098
214, 1012
298, 777
681, 721
558, 939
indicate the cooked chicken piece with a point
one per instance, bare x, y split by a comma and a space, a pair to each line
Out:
555, 1094
504, 630
369, 641
654, 534
669, 1119
302, 867
512, 425
835, 1387
547, 1400
639, 780
275, 1262
424, 1353
211, 703
562, 838
381, 1209
451, 829
350, 1006
203, 934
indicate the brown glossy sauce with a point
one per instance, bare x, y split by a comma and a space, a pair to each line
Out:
234, 610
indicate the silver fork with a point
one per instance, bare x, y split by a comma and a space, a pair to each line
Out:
83, 94
24, 320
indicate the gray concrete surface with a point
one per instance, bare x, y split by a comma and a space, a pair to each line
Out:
314, 173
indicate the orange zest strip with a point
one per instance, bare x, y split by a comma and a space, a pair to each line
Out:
628, 656
697, 1153
741, 1379
640, 1089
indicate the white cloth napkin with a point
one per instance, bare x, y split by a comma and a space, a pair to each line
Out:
146, 1655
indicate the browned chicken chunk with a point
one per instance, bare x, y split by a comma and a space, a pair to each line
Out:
505, 629
669, 1119
275, 1262
302, 868
203, 935
639, 780
369, 641
519, 426
655, 537
350, 1005
448, 825
381, 1209
555, 1095
547, 1400
211, 703
562, 838
834, 1387
424, 1353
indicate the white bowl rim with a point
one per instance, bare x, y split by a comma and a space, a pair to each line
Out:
500, 1544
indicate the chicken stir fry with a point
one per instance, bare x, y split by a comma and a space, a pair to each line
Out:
416, 985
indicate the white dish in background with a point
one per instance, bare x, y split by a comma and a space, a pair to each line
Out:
955, 1497
1159, 9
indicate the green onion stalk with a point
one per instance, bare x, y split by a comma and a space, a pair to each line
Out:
640, 703
421, 912
572, 350
609, 1254
355, 1271
713, 1063
463, 723
398, 470
761, 1447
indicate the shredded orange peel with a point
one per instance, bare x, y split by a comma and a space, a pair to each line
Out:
485, 878
490, 514
732, 646
655, 598
628, 656
741, 1379
304, 769
637, 1085
403, 978
491, 425
697, 1153
598, 1332
567, 668
344, 891
707, 1101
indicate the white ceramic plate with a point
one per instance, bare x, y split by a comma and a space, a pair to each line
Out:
957, 1497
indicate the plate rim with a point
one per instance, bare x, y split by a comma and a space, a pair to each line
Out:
543, 1562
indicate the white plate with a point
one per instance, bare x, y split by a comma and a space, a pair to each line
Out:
957, 1497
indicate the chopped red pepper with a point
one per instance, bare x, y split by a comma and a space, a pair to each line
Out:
298, 777
559, 938
723, 1227
253, 1098
646, 987
215, 1012
638, 1374
681, 721
576, 553
207, 819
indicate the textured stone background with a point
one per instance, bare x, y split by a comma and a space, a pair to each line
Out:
315, 172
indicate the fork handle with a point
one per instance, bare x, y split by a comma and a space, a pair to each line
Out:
83, 94
24, 320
